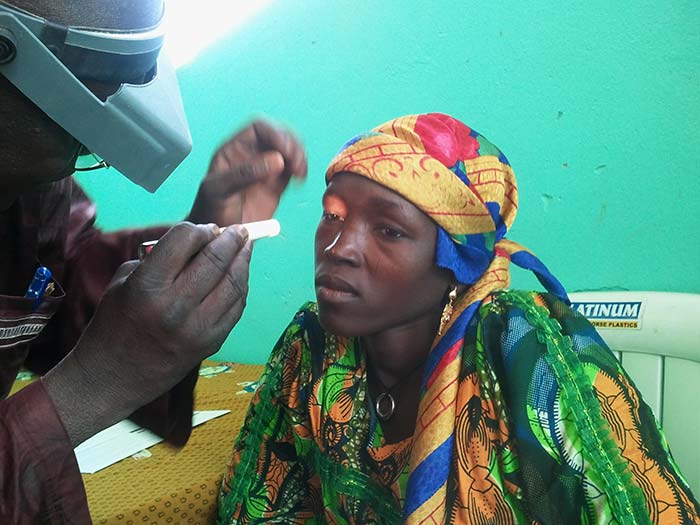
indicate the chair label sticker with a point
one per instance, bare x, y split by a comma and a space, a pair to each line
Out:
610, 314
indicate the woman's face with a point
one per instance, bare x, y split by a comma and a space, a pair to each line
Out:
375, 255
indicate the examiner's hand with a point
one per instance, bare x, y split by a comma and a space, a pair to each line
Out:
155, 323
248, 174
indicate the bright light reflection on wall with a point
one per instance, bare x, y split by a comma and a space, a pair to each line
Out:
192, 25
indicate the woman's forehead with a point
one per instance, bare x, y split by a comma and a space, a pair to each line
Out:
352, 189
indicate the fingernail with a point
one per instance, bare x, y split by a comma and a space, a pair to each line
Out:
246, 234
215, 229
276, 161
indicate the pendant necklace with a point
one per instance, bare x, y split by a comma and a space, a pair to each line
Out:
385, 404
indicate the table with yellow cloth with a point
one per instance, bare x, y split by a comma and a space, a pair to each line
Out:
177, 486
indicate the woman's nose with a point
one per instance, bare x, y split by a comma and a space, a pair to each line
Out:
345, 247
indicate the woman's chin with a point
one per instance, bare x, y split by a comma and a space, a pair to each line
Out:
336, 323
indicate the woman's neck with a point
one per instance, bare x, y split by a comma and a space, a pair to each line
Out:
395, 353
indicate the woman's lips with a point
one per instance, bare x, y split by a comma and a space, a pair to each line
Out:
334, 289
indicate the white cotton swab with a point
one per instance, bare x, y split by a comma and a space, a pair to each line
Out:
261, 229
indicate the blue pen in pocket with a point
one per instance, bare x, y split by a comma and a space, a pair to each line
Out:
37, 287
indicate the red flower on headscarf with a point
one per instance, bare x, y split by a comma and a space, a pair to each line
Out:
445, 138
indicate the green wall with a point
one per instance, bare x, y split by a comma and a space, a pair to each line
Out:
597, 106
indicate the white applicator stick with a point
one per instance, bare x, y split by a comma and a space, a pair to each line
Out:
261, 229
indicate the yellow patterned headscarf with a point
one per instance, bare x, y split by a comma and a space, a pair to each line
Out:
440, 165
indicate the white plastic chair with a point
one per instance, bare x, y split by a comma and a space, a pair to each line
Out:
662, 355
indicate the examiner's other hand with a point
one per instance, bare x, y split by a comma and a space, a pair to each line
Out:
156, 322
248, 174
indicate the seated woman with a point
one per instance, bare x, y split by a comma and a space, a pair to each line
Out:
419, 389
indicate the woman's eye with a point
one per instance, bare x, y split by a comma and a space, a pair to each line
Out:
329, 216
391, 233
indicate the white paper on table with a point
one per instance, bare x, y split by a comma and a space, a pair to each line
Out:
123, 440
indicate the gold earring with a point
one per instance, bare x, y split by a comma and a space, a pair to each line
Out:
447, 311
